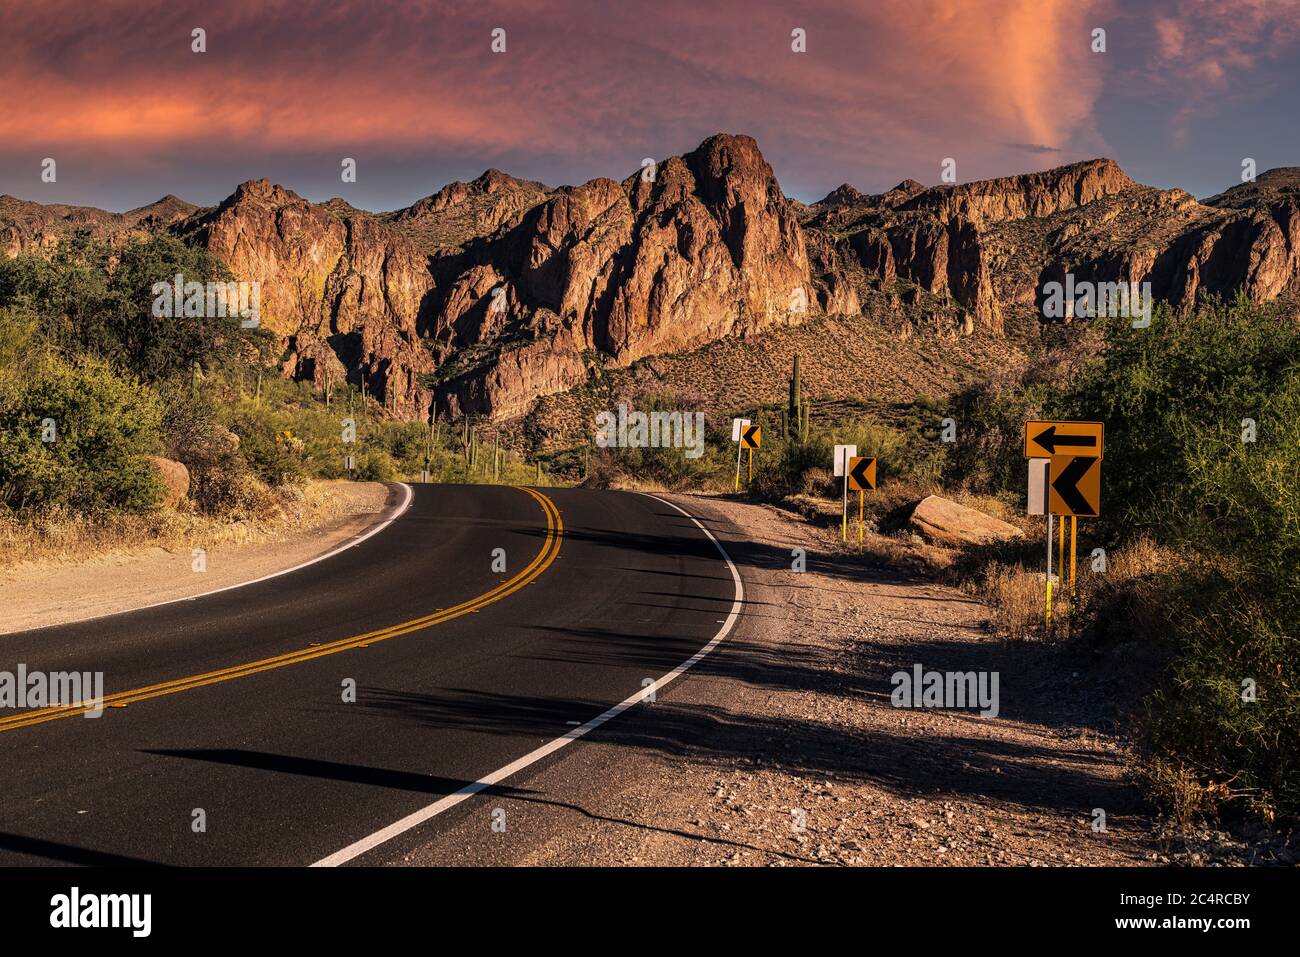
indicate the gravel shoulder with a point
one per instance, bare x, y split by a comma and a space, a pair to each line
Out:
783, 747
45, 593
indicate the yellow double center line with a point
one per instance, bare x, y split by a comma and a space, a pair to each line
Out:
543, 559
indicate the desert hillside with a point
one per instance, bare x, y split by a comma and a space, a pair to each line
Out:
499, 296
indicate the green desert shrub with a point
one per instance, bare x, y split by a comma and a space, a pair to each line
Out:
1161, 389
1228, 714
104, 426
97, 300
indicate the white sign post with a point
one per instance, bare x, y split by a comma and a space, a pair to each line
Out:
1039, 476
738, 427
843, 454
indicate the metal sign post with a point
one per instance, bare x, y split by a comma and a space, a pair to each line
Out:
738, 427
843, 454
1049, 568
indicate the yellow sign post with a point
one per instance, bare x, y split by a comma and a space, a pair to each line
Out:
751, 438
1049, 568
861, 476
1060, 549
1074, 556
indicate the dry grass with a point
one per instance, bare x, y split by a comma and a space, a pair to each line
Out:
1128, 596
60, 537
1016, 599
1185, 795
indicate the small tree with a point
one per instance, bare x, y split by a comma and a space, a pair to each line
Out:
78, 435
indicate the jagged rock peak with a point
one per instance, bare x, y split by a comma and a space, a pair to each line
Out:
842, 195
1045, 193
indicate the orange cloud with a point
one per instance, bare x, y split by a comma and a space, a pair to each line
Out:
1015, 71
887, 88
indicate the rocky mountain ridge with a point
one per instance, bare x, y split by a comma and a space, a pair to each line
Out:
490, 294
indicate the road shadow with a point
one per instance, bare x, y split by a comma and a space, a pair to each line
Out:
355, 773
958, 764
61, 853
1047, 685
430, 784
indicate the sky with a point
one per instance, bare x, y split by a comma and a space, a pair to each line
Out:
884, 90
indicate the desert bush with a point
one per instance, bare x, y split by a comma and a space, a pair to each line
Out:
97, 300
375, 465
193, 435
1201, 588
274, 455
1180, 478
787, 466
1161, 389
1229, 710
105, 425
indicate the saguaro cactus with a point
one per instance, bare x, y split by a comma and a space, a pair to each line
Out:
795, 396
799, 407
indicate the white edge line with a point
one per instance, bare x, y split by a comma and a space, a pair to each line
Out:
350, 543
382, 836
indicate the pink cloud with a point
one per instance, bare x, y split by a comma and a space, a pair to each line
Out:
901, 80
888, 88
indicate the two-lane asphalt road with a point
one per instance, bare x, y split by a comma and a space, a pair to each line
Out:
230, 708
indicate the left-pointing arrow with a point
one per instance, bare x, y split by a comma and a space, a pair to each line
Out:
1067, 484
860, 475
1049, 440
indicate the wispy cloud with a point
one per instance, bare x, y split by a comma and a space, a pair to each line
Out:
887, 88
1213, 53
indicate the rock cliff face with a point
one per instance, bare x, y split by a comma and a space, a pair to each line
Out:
460, 212
935, 240
993, 201
700, 247
342, 290
489, 294
980, 252
25, 225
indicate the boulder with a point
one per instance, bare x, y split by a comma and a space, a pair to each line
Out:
944, 521
175, 479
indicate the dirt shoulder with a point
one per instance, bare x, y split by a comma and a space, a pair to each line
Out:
55, 591
783, 746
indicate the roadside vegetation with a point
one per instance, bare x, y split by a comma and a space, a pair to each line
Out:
94, 388
1201, 522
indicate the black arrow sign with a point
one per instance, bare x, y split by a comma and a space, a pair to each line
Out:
1066, 484
749, 435
1049, 440
859, 473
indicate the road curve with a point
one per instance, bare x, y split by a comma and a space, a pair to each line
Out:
229, 709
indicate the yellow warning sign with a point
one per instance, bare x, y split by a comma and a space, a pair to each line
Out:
862, 473
1074, 485
1045, 440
